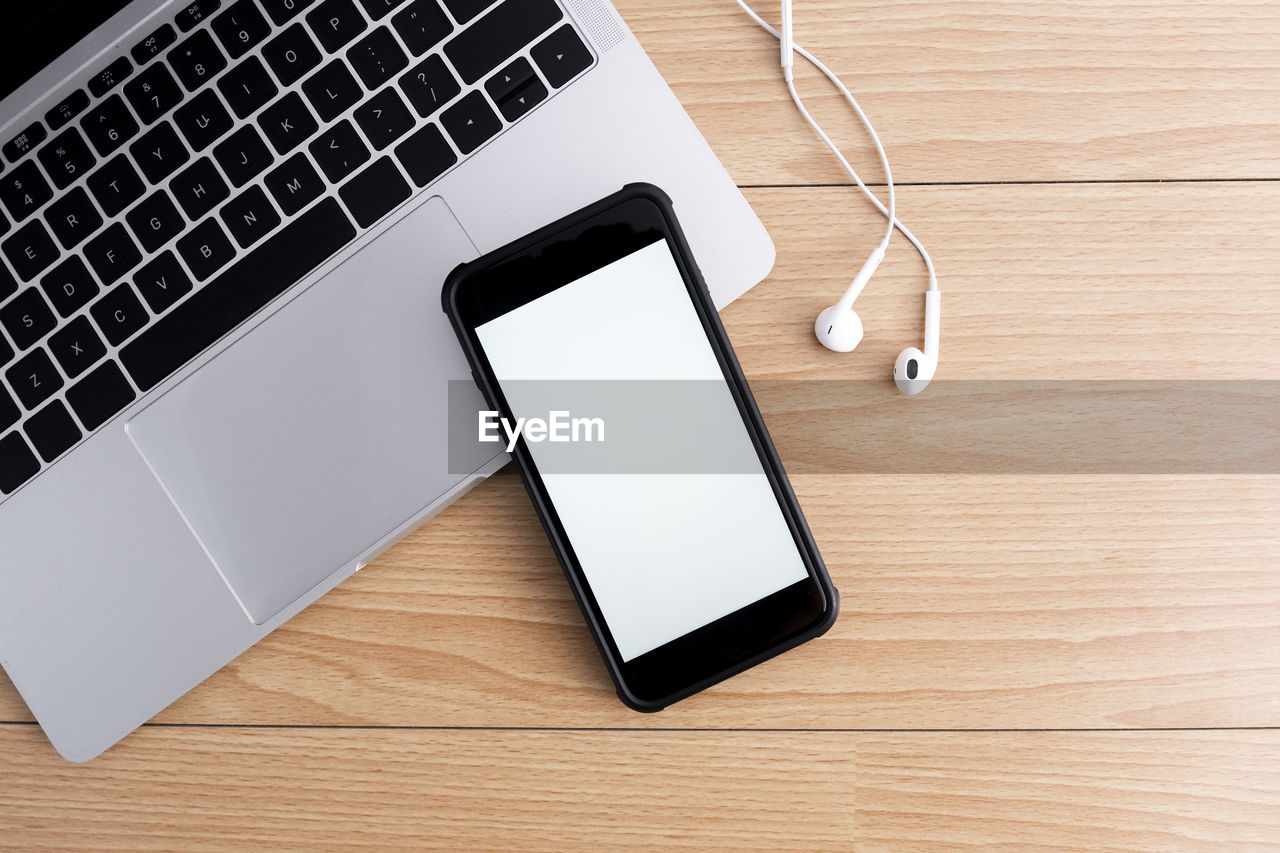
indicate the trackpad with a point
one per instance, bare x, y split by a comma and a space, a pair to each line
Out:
325, 428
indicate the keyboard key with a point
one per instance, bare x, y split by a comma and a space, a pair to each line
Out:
236, 295
206, 249
377, 58
77, 347
287, 123
373, 193
27, 318
153, 45
8, 286
22, 144
67, 109
470, 122
112, 254
162, 282
4, 226
153, 93
426, 155
283, 11
110, 77
294, 184
379, 9
291, 54
509, 79
561, 56
73, 218
465, 10
119, 314
9, 411
243, 155
196, 12
241, 28
30, 250
522, 100
384, 118
203, 120
339, 151
66, 158
52, 431
116, 185
247, 87
34, 379
155, 221
199, 189
17, 463
24, 191
336, 22
250, 217
422, 25
109, 125
159, 152
197, 60
331, 90
500, 34
69, 286
100, 396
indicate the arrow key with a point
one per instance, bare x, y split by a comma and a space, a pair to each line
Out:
561, 56
470, 122
509, 79
523, 99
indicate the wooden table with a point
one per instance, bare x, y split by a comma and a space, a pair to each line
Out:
1046, 662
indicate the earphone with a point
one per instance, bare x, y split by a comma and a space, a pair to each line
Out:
839, 328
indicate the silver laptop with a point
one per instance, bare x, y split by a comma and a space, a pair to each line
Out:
223, 231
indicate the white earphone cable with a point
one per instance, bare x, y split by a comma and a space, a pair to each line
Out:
889, 212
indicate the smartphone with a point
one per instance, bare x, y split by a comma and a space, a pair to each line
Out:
690, 558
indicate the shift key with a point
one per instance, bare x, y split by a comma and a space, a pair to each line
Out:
493, 39
238, 293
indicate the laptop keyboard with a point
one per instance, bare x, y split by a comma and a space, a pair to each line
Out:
231, 152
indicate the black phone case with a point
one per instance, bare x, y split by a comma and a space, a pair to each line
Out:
689, 268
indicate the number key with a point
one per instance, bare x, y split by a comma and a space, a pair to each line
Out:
240, 28
291, 54
197, 60
66, 158
109, 125
24, 191
153, 93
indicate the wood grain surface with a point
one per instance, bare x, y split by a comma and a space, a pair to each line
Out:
1039, 662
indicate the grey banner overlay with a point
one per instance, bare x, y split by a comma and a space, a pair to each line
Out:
867, 427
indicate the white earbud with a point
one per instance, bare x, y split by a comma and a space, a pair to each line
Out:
839, 328
914, 369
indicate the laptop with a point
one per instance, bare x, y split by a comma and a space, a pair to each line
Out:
223, 366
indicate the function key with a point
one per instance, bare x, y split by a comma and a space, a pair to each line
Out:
196, 12
17, 463
153, 45
153, 93
282, 11
240, 28
67, 109
109, 125
66, 158
422, 25
561, 56
24, 191
109, 77
22, 144
197, 60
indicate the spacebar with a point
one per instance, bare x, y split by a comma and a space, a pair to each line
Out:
237, 294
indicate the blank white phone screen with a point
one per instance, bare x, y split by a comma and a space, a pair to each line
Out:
664, 554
